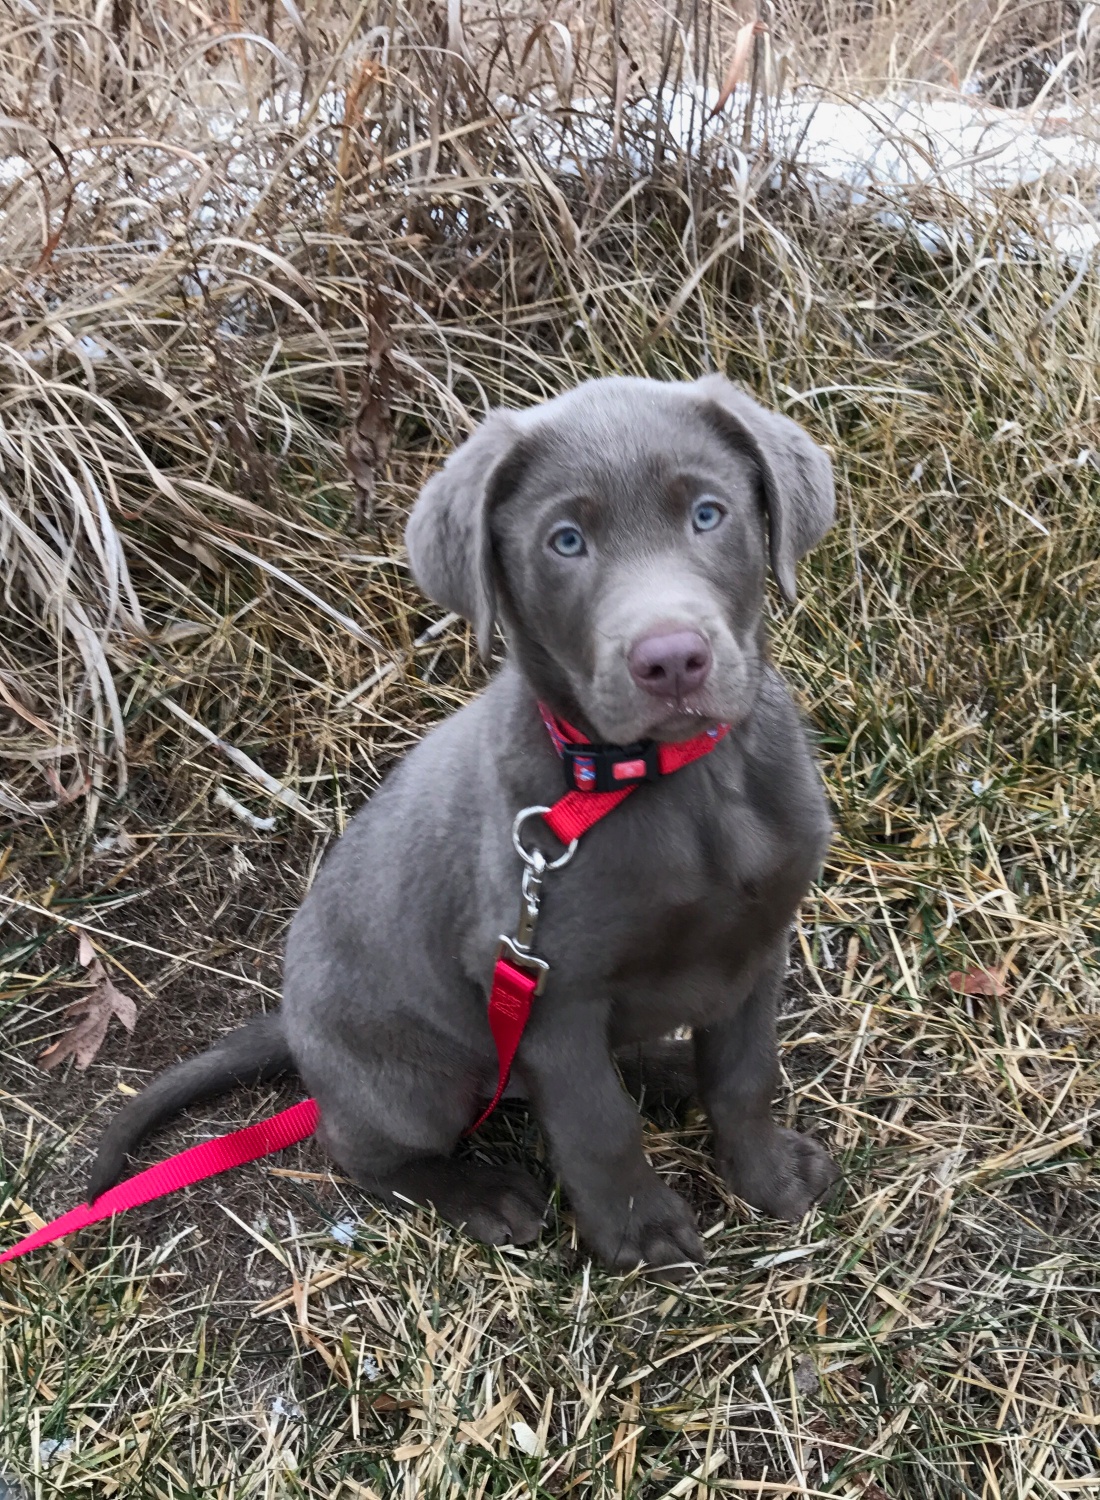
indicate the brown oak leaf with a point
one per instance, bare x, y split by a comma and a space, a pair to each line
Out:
89, 1018
976, 981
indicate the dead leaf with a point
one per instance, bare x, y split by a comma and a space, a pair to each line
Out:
367, 446
89, 1018
741, 48
385, 1402
975, 980
200, 551
806, 1379
410, 1450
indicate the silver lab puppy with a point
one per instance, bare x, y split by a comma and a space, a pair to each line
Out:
620, 536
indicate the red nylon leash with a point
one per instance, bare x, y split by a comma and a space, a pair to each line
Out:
509, 1010
510, 999
186, 1167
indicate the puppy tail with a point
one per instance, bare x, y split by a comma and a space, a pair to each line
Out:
253, 1053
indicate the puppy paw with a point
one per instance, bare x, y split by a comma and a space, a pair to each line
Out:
652, 1227
502, 1206
778, 1171
498, 1205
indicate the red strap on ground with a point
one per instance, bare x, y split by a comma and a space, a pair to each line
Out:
509, 1007
207, 1160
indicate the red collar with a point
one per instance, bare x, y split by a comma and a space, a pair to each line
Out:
599, 777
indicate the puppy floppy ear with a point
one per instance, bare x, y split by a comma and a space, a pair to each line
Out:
447, 536
797, 474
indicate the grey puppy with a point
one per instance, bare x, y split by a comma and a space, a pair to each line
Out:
620, 535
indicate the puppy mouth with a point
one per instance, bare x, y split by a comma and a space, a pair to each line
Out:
669, 721
681, 719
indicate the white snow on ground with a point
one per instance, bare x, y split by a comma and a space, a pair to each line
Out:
874, 150
960, 144
973, 153
896, 154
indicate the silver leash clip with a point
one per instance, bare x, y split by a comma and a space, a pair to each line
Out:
518, 949
530, 900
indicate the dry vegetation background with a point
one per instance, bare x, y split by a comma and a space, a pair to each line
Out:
260, 265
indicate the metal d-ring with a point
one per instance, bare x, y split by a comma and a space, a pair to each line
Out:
529, 856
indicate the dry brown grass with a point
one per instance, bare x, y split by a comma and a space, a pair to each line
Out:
210, 304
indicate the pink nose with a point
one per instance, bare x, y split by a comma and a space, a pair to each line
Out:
670, 664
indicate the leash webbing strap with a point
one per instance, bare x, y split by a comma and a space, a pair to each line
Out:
205, 1160
509, 1008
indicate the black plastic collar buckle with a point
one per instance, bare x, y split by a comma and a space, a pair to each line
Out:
609, 768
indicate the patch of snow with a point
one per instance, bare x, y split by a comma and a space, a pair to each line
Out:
343, 1231
52, 1449
224, 129
282, 1406
289, 107
875, 150
121, 843
526, 1439
964, 148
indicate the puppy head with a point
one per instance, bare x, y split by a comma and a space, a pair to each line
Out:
621, 533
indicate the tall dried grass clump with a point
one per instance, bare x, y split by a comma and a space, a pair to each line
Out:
260, 266
221, 242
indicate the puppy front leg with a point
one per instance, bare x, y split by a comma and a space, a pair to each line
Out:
625, 1213
737, 1066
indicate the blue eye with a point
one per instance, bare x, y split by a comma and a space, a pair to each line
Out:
568, 541
706, 515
